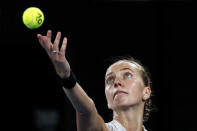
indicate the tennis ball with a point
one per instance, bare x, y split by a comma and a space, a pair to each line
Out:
33, 17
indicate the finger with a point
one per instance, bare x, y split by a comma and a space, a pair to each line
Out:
39, 36
51, 48
64, 45
57, 41
49, 34
41, 39
43, 42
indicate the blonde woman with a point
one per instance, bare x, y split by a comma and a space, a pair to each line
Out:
127, 90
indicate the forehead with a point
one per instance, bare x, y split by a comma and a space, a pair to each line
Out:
121, 65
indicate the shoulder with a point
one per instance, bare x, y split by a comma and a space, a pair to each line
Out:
145, 128
114, 126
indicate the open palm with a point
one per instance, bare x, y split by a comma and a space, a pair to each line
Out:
56, 55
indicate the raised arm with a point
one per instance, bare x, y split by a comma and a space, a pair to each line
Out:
88, 118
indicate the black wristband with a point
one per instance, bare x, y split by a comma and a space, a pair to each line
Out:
69, 82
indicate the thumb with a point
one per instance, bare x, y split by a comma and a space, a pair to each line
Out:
39, 38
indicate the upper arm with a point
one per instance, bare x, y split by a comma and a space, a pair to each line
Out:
87, 117
90, 122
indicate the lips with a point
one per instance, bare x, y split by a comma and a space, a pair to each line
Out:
119, 91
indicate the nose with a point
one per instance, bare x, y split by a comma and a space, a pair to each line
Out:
117, 83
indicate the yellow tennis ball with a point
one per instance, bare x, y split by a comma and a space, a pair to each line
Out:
33, 17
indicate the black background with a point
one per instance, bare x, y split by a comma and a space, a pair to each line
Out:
156, 33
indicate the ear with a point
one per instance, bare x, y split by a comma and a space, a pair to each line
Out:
146, 93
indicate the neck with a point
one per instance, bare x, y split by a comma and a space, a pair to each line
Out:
131, 118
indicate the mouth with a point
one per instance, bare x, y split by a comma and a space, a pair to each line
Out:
119, 92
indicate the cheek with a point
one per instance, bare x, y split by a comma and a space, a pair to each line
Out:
108, 93
135, 90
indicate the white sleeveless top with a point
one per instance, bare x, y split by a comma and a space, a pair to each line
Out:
116, 126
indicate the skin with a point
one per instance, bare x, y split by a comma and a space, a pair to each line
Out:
127, 107
87, 117
128, 104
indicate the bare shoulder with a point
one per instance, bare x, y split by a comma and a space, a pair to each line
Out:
90, 122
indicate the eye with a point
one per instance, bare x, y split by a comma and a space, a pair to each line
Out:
128, 75
110, 80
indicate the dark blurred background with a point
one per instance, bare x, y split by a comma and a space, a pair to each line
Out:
158, 33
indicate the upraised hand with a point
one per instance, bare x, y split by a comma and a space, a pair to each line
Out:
56, 55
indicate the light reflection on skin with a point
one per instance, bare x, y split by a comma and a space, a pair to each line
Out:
128, 106
123, 76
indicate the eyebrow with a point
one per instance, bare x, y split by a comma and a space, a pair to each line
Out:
120, 70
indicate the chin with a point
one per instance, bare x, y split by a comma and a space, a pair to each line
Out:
121, 104
124, 104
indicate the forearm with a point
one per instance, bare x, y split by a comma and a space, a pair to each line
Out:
80, 100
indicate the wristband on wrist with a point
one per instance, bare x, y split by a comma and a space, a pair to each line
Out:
69, 82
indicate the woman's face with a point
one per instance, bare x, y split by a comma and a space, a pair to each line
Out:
123, 85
